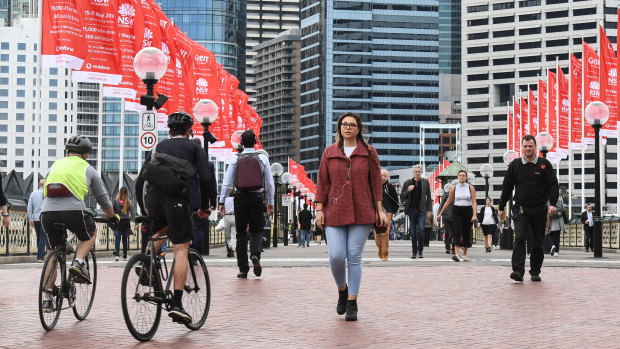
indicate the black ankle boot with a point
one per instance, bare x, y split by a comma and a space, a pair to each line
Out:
341, 308
351, 310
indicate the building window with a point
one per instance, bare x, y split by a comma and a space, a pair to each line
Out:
556, 14
52, 117
480, 8
4, 92
53, 82
21, 93
4, 46
4, 128
51, 141
4, 69
19, 163
19, 128
4, 57
21, 46
51, 152
19, 116
21, 58
20, 105
21, 82
19, 140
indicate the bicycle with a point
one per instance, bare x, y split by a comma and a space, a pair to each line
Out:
60, 284
143, 293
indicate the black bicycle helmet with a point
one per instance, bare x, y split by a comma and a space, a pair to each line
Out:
79, 145
180, 121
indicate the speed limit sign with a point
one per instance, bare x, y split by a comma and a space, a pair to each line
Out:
148, 140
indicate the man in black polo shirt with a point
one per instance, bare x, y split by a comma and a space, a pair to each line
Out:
535, 184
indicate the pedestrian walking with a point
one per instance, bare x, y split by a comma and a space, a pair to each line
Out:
251, 175
35, 201
194, 201
305, 226
349, 182
390, 204
123, 207
229, 224
416, 196
534, 182
6, 219
556, 226
588, 227
463, 195
489, 222
446, 219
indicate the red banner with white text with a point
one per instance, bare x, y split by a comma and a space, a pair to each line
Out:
533, 108
542, 106
576, 102
563, 106
591, 86
609, 84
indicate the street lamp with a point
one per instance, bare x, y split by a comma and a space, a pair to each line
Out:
486, 170
276, 171
150, 64
544, 140
286, 180
597, 114
470, 178
235, 140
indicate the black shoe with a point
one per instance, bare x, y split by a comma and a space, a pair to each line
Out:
351, 310
48, 306
516, 276
341, 308
178, 314
455, 258
536, 278
587, 250
242, 275
413, 256
256, 263
420, 255
79, 272
447, 251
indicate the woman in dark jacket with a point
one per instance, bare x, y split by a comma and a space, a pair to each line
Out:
124, 208
488, 220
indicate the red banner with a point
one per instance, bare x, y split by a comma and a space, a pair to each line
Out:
542, 106
552, 114
63, 36
185, 70
576, 102
168, 84
609, 84
533, 108
511, 130
525, 118
254, 122
591, 86
518, 135
564, 107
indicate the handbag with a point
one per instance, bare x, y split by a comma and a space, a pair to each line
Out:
377, 227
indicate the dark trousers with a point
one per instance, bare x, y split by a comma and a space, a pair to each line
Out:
588, 231
529, 225
417, 218
554, 239
496, 236
447, 238
461, 223
249, 218
121, 235
198, 233
41, 239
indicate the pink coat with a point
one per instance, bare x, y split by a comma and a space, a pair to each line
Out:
344, 190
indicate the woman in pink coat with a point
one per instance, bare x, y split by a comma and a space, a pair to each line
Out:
345, 207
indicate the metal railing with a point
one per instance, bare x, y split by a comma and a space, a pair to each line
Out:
20, 239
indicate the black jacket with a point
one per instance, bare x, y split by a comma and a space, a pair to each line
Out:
535, 184
305, 219
390, 198
584, 218
426, 202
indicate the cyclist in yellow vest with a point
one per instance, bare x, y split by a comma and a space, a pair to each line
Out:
68, 182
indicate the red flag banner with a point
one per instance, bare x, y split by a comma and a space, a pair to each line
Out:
552, 107
591, 86
62, 42
525, 118
511, 130
564, 107
609, 84
576, 102
517, 124
185, 69
542, 106
533, 108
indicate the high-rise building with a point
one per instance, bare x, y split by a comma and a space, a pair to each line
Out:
12, 10
277, 65
507, 47
375, 58
266, 19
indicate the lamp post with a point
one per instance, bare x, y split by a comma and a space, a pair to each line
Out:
544, 140
597, 114
276, 171
486, 171
150, 64
205, 112
286, 180
471, 178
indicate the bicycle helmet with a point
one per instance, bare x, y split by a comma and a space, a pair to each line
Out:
180, 121
79, 145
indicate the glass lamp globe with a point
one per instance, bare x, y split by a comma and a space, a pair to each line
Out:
286, 178
263, 151
276, 169
486, 170
438, 192
150, 64
544, 141
597, 113
235, 139
510, 155
206, 111
446, 188
470, 178
455, 182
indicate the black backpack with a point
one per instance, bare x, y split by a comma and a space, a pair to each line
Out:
168, 173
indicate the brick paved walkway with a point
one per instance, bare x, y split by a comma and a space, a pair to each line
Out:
422, 306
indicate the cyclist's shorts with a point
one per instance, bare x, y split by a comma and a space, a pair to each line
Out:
172, 211
78, 222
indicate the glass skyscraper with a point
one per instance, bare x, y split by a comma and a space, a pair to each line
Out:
375, 58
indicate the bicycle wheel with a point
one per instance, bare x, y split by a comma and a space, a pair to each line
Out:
50, 288
197, 295
85, 293
141, 313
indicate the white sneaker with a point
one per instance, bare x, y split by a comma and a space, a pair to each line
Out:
557, 254
495, 247
552, 253
116, 259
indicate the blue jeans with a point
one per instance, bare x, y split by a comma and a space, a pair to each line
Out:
417, 219
305, 235
346, 242
118, 234
41, 239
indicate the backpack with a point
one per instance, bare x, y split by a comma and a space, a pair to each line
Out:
248, 172
168, 173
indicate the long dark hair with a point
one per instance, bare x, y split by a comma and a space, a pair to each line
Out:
360, 137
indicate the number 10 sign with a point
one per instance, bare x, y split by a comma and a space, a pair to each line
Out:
148, 130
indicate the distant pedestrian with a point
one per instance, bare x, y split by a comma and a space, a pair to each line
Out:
34, 216
463, 195
489, 222
194, 200
345, 208
6, 220
390, 204
556, 226
124, 208
446, 218
587, 219
305, 226
534, 182
229, 224
416, 196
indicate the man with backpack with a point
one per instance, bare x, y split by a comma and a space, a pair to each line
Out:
250, 174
